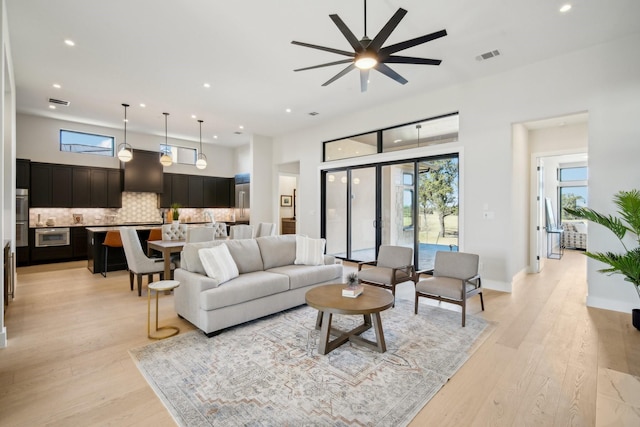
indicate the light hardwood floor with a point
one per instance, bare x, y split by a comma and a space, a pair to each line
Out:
69, 332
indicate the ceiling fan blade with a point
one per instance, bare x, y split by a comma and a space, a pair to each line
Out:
385, 51
386, 31
411, 60
364, 80
384, 69
340, 74
328, 64
326, 49
346, 32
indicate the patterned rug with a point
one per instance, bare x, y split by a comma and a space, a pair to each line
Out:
268, 372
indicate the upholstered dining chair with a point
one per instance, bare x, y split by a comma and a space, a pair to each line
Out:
139, 264
454, 279
394, 265
241, 231
266, 229
200, 234
174, 231
220, 230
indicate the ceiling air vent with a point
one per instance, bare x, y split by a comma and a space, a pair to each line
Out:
238, 132
313, 113
488, 55
59, 102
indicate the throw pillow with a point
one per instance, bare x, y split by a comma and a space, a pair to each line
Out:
580, 227
218, 263
309, 251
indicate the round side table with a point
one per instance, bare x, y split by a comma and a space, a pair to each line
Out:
160, 286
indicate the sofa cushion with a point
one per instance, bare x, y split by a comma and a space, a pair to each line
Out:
307, 275
277, 251
244, 288
309, 251
580, 227
246, 254
190, 259
218, 263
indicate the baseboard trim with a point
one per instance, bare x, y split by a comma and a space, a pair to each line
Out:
3, 337
610, 304
496, 285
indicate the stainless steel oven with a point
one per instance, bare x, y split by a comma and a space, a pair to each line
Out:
52, 237
22, 217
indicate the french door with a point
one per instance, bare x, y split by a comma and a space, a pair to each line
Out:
410, 203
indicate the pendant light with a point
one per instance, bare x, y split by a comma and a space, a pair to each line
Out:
165, 159
201, 163
125, 151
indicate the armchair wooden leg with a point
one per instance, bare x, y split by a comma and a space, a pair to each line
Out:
131, 279
139, 284
481, 301
415, 310
464, 313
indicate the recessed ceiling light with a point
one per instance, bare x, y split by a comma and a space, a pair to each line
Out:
143, 105
207, 85
241, 127
53, 107
57, 86
215, 136
193, 116
69, 42
565, 8
288, 110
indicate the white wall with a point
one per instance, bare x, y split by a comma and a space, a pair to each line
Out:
602, 80
38, 139
263, 180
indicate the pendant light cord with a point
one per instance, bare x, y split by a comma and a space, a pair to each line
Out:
365, 18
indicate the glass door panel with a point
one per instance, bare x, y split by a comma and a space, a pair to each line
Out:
336, 213
363, 214
398, 213
437, 208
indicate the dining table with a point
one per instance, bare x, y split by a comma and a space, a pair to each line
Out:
166, 247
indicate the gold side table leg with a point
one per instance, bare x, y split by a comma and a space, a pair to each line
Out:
174, 329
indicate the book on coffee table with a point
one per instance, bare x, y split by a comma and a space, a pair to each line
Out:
352, 291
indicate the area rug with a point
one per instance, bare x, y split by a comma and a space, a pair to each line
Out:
268, 372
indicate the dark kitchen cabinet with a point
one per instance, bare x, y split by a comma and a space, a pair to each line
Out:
99, 188
22, 173
79, 242
196, 191
165, 197
114, 188
180, 189
50, 186
81, 187
218, 192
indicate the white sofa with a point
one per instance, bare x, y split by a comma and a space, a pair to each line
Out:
269, 282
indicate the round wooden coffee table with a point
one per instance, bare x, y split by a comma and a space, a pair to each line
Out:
328, 300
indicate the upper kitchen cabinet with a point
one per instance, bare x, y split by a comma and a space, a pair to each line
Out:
218, 192
114, 188
22, 173
50, 185
97, 188
180, 189
195, 191
81, 187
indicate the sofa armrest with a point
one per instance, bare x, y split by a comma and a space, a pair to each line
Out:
329, 260
194, 281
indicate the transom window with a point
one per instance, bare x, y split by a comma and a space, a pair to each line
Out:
86, 143
183, 155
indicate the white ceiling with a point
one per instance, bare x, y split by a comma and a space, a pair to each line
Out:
161, 52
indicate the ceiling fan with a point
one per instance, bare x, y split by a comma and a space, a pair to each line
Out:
369, 54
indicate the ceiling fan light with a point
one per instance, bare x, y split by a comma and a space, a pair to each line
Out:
366, 61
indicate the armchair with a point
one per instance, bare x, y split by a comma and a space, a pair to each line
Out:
393, 266
454, 279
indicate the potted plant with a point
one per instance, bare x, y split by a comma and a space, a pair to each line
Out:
626, 263
175, 212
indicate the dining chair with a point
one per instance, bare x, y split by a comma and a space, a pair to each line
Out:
266, 229
138, 263
454, 279
220, 230
200, 234
174, 231
241, 231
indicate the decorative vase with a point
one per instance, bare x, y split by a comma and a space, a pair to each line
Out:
635, 318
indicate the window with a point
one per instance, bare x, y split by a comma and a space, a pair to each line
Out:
423, 133
87, 143
183, 155
572, 189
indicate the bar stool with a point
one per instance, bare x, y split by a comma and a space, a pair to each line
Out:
111, 240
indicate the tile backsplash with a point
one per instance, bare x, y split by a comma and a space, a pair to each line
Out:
136, 208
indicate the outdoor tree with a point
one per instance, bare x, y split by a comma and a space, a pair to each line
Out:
570, 200
438, 190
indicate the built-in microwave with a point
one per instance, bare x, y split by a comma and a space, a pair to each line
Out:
52, 237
